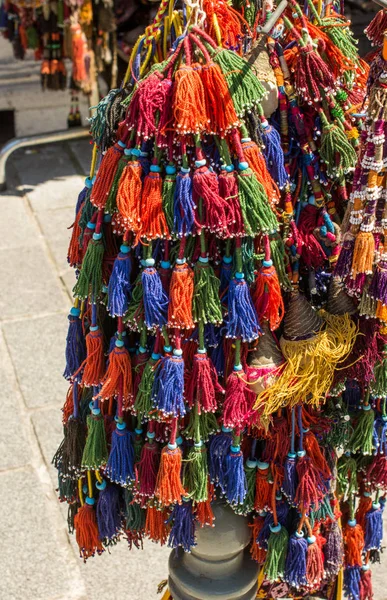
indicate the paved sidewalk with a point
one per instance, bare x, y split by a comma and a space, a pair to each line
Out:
38, 559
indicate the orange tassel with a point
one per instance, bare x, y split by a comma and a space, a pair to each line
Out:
118, 377
189, 100
155, 525
68, 407
75, 252
353, 545
313, 450
169, 488
180, 297
263, 489
257, 163
86, 529
363, 254
219, 105
364, 507
94, 364
267, 297
153, 218
108, 168
258, 554
129, 194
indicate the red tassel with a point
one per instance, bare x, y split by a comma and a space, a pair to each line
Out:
366, 591
238, 402
68, 407
219, 105
169, 488
309, 490
206, 187
313, 450
267, 297
314, 563
94, 364
228, 189
377, 27
263, 488
118, 377
203, 384
258, 554
147, 469
139, 364
365, 505
86, 529
75, 252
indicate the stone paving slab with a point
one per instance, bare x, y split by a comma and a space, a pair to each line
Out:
55, 227
17, 225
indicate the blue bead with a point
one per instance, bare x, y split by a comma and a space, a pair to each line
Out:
227, 260
88, 182
121, 426
124, 249
101, 486
267, 263
122, 144
107, 218
127, 152
165, 264
94, 328
239, 275
229, 168
119, 343
235, 449
155, 356
200, 163
136, 152
242, 166
275, 528
170, 169
97, 236
90, 501
90, 225
75, 312
184, 170
155, 169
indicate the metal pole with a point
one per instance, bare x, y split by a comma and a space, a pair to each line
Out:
36, 140
220, 566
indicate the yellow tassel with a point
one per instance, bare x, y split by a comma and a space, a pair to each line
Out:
363, 254
310, 365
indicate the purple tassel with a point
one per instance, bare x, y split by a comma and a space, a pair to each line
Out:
274, 155
168, 385
352, 582
333, 550
218, 359
81, 199
217, 457
289, 485
75, 346
108, 511
225, 278
344, 262
183, 204
378, 285
379, 435
154, 297
145, 163
373, 528
242, 319
295, 569
235, 477
282, 515
183, 526
119, 283
120, 465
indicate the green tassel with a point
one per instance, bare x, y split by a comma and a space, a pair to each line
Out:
135, 313
346, 476
88, 211
323, 513
195, 478
111, 202
277, 547
201, 426
206, 305
249, 501
84, 405
335, 150
134, 514
244, 86
256, 211
280, 260
248, 260
143, 403
90, 277
367, 306
361, 439
167, 199
379, 386
95, 454
138, 444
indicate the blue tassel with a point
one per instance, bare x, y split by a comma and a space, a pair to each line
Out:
154, 297
75, 346
374, 527
119, 283
352, 395
168, 385
274, 155
217, 457
295, 568
235, 477
289, 485
226, 270
379, 435
183, 205
242, 319
218, 358
183, 526
352, 583
282, 509
81, 199
108, 511
120, 465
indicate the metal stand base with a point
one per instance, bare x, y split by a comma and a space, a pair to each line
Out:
220, 566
